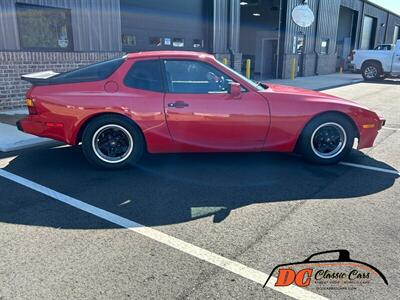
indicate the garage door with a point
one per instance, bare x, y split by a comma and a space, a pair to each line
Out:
165, 25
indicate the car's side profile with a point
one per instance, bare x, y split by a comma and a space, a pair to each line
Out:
169, 101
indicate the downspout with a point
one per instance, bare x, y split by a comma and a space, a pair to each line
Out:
315, 40
278, 50
230, 32
361, 25
386, 28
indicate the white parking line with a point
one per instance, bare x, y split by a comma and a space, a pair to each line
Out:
205, 255
395, 172
390, 128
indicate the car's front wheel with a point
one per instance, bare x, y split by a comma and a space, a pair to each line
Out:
327, 139
112, 142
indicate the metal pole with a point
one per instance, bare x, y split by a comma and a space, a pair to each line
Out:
293, 68
248, 68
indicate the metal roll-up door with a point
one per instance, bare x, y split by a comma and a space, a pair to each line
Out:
165, 25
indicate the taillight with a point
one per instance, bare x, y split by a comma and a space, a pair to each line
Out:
30, 103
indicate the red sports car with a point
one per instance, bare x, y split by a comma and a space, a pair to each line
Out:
169, 101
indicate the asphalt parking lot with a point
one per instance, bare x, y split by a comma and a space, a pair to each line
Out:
198, 226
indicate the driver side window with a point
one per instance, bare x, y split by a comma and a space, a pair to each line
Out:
194, 77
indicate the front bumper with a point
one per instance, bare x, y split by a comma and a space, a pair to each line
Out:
368, 135
383, 122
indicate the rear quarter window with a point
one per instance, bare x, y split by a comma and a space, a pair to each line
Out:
145, 75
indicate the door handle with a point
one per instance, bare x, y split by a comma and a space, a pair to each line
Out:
178, 104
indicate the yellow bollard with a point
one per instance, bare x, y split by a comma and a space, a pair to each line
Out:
293, 69
248, 68
225, 61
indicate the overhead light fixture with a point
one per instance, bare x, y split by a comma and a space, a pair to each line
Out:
243, 3
256, 14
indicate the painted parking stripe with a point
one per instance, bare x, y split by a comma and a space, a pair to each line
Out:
205, 255
390, 128
395, 172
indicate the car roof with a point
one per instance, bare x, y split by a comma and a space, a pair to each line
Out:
166, 53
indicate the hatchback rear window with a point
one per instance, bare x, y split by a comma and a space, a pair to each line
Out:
95, 72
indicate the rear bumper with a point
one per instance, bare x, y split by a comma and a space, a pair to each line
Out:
35, 126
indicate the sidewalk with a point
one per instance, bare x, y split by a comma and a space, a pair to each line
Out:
11, 138
321, 82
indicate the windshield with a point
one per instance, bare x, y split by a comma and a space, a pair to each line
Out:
254, 84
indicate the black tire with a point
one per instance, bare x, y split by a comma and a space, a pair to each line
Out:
371, 71
112, 142
322, 134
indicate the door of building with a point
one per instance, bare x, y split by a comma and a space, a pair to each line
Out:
269, 58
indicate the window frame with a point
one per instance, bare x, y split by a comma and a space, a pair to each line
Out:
162, 77
69, 48
166, 86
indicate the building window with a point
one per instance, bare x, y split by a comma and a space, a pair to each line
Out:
128, 40
178, 42
324, 46
44, 28
155, 41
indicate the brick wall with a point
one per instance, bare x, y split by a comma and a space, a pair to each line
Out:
15, 64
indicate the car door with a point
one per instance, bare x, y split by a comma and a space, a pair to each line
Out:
396, 60
202, 115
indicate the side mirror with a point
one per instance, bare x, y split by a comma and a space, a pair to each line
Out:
235, 89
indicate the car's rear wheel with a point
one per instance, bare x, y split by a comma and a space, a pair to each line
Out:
112, 142
371, 71
327, 139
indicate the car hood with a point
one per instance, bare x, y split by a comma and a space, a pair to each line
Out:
311, 95
294, 90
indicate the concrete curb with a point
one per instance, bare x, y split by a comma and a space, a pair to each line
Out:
337, 86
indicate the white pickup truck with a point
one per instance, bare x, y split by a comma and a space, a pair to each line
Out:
376, 64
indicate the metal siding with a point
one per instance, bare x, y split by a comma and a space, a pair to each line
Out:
327, 24
220, 32
96, 24
235, 25
353, 4
8, 26
392, 22
292, 28
381, 17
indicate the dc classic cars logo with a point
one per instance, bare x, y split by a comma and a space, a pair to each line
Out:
340, 273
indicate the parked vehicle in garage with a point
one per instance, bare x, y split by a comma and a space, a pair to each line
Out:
377, 64
171, 101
